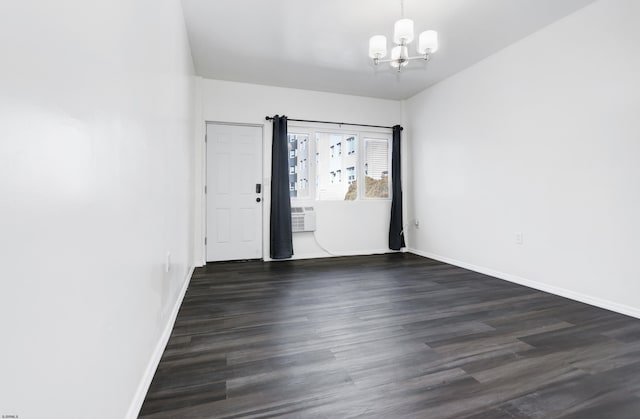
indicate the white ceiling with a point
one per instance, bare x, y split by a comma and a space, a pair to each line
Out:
322, 44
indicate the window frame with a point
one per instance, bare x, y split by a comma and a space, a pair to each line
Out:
310, 130
364, 163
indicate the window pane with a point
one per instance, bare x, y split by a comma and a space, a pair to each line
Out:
376, 168
351, 145
298, 165
331, 164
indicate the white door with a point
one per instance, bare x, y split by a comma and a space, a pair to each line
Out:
234, 192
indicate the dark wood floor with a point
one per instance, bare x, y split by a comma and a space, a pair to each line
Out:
389, 336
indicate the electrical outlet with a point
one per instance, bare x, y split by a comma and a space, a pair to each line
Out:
519, 238
167, 265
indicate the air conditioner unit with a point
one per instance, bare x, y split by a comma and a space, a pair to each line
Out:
303, 219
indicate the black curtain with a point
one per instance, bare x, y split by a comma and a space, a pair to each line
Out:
281, 237
396, 231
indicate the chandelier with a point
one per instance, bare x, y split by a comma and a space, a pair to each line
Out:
402, 37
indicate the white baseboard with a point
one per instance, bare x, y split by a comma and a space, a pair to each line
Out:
562, 292
152, 366
319, 255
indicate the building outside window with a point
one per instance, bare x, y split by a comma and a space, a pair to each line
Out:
331, 164
298, 167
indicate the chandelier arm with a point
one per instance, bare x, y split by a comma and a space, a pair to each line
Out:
425, 57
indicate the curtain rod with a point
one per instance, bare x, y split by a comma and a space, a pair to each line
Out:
269, 118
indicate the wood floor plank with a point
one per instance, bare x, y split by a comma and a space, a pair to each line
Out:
389, 336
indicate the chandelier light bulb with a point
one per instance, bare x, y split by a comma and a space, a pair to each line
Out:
399, 56
428, 41
378, 46
403, 31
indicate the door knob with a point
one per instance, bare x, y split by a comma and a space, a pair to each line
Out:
258, 199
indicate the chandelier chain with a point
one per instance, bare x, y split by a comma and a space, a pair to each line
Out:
402, 9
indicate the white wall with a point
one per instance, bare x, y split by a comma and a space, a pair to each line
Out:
344, 228
96, 173
541, 138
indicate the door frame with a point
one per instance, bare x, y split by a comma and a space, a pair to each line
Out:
266, 197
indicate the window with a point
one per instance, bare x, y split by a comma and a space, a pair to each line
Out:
360, 171
298, 165
376, 164
351, 145
351, 174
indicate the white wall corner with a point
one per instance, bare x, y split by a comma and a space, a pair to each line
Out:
406, 169
199, 176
